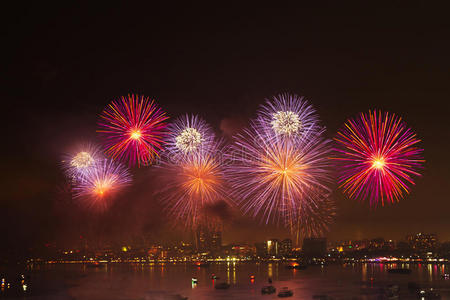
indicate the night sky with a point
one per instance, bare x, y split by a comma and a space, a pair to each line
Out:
63, 64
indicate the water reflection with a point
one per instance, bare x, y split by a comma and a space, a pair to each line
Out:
139, 281
364, 272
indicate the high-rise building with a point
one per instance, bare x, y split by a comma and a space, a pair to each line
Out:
208, 241
216, 241
261, 249
286, 247
202, 241
273, 247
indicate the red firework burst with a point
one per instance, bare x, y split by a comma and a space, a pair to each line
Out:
133, 128
379, 158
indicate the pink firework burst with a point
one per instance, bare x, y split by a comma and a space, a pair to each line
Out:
378, 158
99, 185
133, 128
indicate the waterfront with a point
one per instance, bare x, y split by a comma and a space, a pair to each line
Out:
164, 281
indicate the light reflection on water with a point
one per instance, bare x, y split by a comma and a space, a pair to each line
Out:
156, 281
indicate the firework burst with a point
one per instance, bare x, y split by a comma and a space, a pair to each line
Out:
378, 158
192, 185
78, 162
133, 129
100, 184
187, 136
288, 116
276, 179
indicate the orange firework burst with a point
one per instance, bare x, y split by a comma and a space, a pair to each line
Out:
192, 185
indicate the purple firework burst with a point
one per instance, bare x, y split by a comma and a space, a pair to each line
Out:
101, 184
274, 178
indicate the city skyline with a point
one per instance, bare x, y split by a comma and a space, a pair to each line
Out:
208, 246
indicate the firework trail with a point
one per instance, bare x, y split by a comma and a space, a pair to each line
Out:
275, 179
315, 219
187, 136
378, 158
288, 116
133, 128
78, 162
192, 185
101, 184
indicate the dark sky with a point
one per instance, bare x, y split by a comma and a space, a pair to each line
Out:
64, 63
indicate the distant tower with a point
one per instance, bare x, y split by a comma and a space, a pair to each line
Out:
207, 240
201, 240
216, 241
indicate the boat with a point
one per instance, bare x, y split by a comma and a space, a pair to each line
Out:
194, 280
399, 271
446, 276
222, 286
214, 277
268, 289
285, 292
201, 264
296, 266
428, 294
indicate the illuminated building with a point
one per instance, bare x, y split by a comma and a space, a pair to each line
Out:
273, 247
286, 247
216, 241
377, 243
422, 241
209, 241
261, 249
242, 250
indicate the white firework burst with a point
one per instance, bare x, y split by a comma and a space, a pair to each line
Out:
188, 140
288, 116
188, 135
82, 160
286, 123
